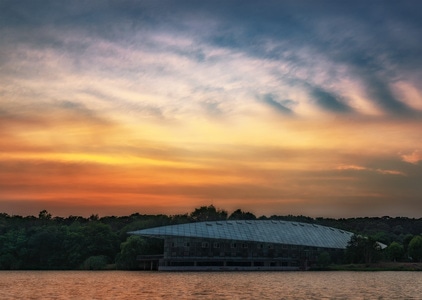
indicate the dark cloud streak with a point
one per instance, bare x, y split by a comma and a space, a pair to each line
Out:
269, 100
329, 101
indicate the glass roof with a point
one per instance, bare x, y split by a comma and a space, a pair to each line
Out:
265, 231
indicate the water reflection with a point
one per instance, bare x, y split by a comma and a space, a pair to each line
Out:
236, 285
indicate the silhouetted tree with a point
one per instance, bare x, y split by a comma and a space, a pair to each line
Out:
44, 215
208, 213
238, 214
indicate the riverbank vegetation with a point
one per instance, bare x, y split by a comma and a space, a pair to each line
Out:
47, 242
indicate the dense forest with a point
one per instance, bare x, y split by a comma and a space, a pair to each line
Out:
47, 242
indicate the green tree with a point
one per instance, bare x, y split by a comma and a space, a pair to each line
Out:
134, 246
74, 244
129, 250
13, 249
45, 248
8, 262
395, 251
100, 240
363, 250
415, 248
382, 236
98, 262
406, 241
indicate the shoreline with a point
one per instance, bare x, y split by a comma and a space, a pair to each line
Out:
381, 266
375, 267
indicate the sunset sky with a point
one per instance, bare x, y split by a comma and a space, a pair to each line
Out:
275, 107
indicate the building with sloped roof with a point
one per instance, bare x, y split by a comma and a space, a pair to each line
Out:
244, 245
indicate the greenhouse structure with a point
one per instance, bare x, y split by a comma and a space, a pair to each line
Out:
243, 245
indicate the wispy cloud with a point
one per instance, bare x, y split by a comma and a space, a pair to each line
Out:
361, 168
414, 157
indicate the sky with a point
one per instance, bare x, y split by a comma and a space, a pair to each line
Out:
275, 107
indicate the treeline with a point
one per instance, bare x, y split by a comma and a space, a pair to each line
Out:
47, 242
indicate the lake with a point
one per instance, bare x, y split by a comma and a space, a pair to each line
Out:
202, 285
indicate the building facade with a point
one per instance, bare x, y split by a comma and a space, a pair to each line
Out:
244, 245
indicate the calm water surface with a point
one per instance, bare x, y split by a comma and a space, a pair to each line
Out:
235, 285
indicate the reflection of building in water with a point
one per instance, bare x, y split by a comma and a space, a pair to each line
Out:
244, 245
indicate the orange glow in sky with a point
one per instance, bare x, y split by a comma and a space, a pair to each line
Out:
270, 111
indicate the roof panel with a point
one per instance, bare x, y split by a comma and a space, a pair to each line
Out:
279, 232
